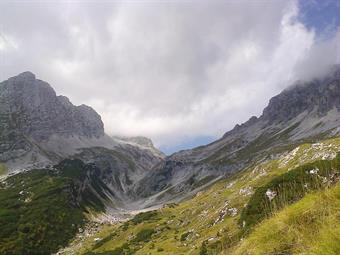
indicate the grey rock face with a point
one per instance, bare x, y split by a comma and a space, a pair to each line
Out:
302, 113
34, 110
37, 127
31, 113
141, 142
120, 168
323, 95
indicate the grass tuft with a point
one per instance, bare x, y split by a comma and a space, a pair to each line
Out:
310, 226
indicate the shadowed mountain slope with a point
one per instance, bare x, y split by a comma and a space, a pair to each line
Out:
305, 112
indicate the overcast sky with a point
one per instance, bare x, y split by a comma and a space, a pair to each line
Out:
180, 72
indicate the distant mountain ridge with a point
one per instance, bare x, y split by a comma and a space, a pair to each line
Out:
140, 141
38, 128
79, 175
43, 112
306, 112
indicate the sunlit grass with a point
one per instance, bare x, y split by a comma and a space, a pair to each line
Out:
310, 226
200, 212
3, 169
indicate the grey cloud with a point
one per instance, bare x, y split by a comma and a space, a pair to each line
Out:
169, 69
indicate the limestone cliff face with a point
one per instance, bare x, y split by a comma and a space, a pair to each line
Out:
320, 95
31, 114
304, 112
34, 109
39, 128
141, 142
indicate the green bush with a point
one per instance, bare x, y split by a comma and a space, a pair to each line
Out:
204, 250
144, 216
184, 236
125, 226
41, 210
289, 187
144, 235
36, 208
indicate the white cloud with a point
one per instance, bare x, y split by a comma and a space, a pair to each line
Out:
168, 70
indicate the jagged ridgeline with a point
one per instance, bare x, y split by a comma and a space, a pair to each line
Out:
60, 173
305, 112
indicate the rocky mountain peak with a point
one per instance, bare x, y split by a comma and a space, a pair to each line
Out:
25, 76
65, 101
139, 140
315, 99
318, 95
39, 128
34, 109
31, 113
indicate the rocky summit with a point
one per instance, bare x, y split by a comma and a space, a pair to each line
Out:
307, 111
64, 174
39, 128
34, 118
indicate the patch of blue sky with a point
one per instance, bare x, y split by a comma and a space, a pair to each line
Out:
323, 16
188, 144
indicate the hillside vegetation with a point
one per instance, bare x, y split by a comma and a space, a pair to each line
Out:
3, 169
216, 221
310, 226
35, 207
41, 210
289, 188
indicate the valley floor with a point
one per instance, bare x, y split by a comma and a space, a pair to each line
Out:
286, 205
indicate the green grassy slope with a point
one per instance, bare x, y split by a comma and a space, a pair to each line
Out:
210, 222
288, 188
3, 169
35, 208
310, 226
41, 210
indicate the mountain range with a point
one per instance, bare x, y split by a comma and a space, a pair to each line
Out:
52, 150
304, 112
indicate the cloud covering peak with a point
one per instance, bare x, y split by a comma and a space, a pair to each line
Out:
169, 70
